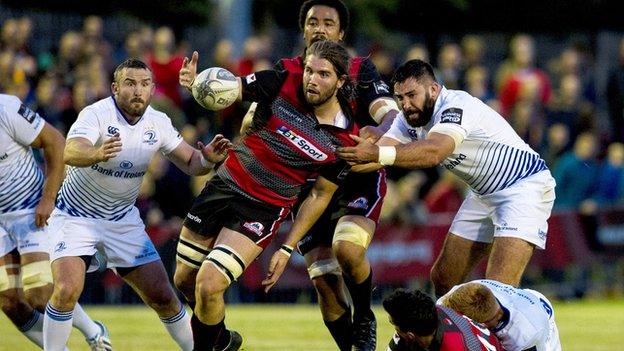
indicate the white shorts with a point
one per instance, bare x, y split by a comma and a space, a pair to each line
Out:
18, 230
519, 211
122, 243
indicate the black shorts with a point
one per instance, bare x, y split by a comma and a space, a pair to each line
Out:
361, 194
219, 206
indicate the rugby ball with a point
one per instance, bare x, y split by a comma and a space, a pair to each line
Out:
215, 88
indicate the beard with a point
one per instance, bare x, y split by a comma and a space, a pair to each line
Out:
424, 116
320, 98
135, 108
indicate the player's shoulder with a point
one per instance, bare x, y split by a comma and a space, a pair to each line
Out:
10, 101
99, 108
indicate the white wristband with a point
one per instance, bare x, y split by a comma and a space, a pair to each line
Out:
387, 154
205, 163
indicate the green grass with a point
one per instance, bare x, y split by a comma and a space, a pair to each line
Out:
583, 326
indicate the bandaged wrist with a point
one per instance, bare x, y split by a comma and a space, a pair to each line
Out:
205, 163
387, 155
286, 250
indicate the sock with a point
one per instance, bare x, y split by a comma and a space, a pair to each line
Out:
56, 328
33, 329
360, 295
84, 323
340, 330
204, 335
179, 327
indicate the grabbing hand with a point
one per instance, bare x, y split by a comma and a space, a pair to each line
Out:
109, 148
363, 152
42, 212
276, 268
188, 71
216, 150
371, 133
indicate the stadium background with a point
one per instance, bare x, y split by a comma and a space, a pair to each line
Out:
567, 101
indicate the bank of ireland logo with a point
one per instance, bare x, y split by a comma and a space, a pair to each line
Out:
112, 130
125, 164
149, 137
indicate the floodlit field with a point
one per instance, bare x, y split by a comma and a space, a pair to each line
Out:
583, 326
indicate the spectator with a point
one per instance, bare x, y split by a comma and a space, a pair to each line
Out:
611, 177
615, 97
165, 63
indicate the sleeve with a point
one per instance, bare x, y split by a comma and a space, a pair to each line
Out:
86, 126
262, 85
399, 130
370, 85
171, 138
22, 123
335, 172
456, 122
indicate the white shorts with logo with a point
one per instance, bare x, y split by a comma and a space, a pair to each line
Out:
18, 230
519, 211
122, 243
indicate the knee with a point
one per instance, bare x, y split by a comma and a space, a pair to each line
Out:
65, 294
38, 297
210, 285
327, 285
163, 301
350, 256
185, 283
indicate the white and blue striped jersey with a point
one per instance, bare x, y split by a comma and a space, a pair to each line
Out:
489, 155
21, 178
108, 190
531, 321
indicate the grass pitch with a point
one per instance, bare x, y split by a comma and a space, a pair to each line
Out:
583, 326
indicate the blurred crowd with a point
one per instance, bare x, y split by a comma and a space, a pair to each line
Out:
553, 107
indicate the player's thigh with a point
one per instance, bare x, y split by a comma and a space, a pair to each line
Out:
10, 283
508, 259
231, 255
457, 258
36, 277
191, 251
352, 235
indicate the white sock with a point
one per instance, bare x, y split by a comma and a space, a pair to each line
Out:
33, 329
56, 328
179, 327
84, 323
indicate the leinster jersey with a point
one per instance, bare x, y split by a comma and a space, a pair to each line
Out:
21, 178
108, 190
489, 155
528, 322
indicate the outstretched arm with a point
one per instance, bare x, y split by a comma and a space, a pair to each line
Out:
309, 212
52, 143
188, 73
414, 155
200, 161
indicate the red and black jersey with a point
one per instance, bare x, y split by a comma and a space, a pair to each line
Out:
455, 332
368, 84
286, 144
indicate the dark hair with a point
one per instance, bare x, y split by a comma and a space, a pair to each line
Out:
412, 311
417, 69
338, 5
129, 63
339, 57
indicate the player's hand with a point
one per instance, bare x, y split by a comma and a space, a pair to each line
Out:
276, 268
109, 148
188, 71
216, 150
363, 152
371, 133
43, 211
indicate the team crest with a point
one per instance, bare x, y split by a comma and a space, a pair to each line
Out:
254, 227
413, 133
360, 202
149, 137
60, 246
112, 130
